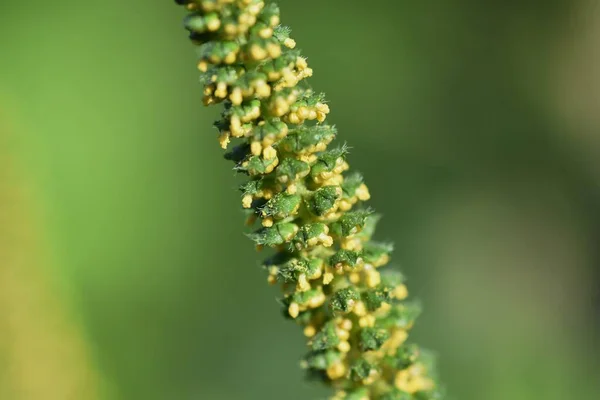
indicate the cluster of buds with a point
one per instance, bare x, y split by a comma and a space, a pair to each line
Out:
309, 209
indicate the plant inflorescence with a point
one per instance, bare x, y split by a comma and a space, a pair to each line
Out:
310, 209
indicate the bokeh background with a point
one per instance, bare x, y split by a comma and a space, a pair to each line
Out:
124, 273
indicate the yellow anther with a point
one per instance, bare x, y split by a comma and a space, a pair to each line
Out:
267, 222
221, 90
246, 19
213, 24
236, 96
265, 33
203, 66
292, 189
289, 77
230, 29
301, 63
269, 153
255, 8
360, 309
294, 310
346, 324
336, 371
289, 43
412, 379
303, 112
345, 205
262, 89
256, 148
317, 301
257, 52
303, 284
342, 334
272, 166
366, 321
274, 50
310, 331
362, 192
307, 73
344, 346
326, 240
396, 340
247, 201
400, 292
372, 278
224, 139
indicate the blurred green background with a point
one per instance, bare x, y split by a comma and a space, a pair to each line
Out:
477, 126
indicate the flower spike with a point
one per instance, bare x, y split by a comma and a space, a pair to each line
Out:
309, 208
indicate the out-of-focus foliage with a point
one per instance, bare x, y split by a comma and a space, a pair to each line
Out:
478, 136
42, 354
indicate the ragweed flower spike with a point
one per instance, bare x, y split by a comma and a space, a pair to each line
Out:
355, 316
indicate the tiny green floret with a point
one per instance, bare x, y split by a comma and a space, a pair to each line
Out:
307, 206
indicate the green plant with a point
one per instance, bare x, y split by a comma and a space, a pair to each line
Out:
355, 317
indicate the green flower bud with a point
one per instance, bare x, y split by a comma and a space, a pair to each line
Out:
326, 338
281, 206
345, 299
323, 200
311, 235
350, 223
345, 258
275, 235
361, 369
401, 315
304, 140
291, 169
374, 298
372, 338
321, 360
